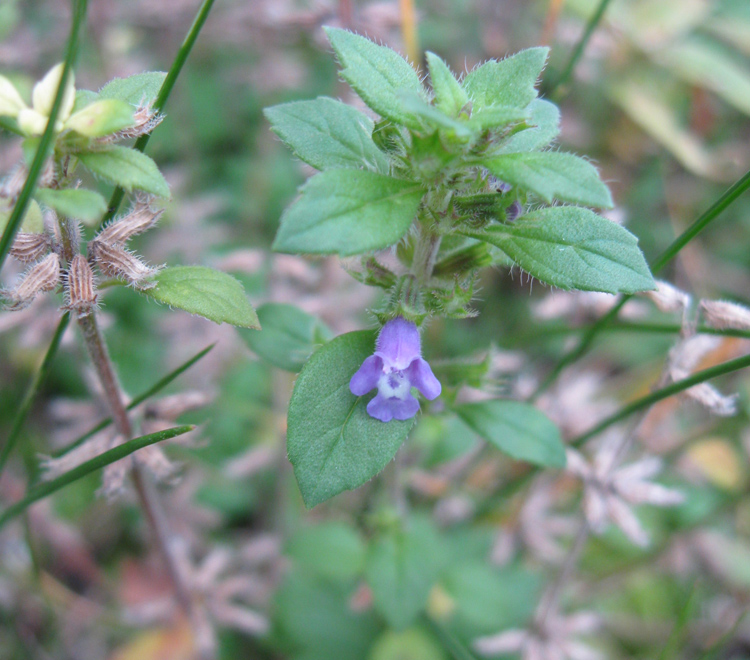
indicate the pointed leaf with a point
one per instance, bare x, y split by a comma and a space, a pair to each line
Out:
327, 134
204, 291
127, 168
517, 429
77, 203
509, 82
139, 90
348, 212
545, 119
333, 444
288, 336
376, 73
553, 175
573, 248
450, 97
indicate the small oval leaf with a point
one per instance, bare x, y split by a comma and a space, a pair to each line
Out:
517, 429
204, 291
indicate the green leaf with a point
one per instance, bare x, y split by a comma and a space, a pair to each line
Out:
509, 82
314, 617
139, 90
517, 429
84, 97
101, 118
402, 567
377, 74
288, 338
488, 599
33, 221
493, 117
333, 444
450, 97
411, 644
204, 291
553, 175
545, 117
332, 550
79, 203
348, 212
126, 168
121, 451
573, 248
327, 134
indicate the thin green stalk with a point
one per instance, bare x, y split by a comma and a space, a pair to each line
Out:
151, 391
19, 209
450, 642
115, 454
594, 21
663, 393
662, 260
161, 99
31, 391
672, 647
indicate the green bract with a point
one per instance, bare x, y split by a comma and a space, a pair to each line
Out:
447, 161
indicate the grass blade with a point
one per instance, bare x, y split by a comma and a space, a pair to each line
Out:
161, 99
16, 217
31, 391
154, 389
663, 393
47, 488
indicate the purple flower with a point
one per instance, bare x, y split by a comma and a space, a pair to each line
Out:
395, 368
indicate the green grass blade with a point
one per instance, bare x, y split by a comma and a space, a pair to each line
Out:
31, 391
662, 260
161, 99
19, 209
47, 488
663, 393
154, 389
594, 21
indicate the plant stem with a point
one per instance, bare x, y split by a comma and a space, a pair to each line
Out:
33, 388
425, 254
596, 17
409, 31
147, 495
46, 141
161, 99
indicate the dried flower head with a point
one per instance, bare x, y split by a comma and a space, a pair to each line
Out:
80, 291
668, 298
139, 219
42, 276
116, 262
609, 491
553, 639
29, 247
723, 314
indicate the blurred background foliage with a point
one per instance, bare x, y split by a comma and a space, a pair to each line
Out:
660, 102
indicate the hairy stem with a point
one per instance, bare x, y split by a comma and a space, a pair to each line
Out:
425, 254
147, 495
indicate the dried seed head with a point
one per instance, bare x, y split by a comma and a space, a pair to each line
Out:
140, 219
43, 276
11, 185
81, 292
28, 247
115, 261
722, 314
146, 120
668, 298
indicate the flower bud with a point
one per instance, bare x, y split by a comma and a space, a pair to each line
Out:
115, 261
81, 293
43, 96
11, 102
28, 247
668, 298
43, 276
